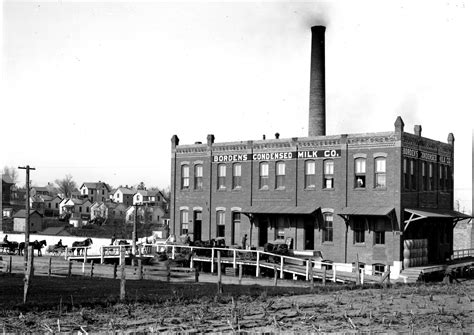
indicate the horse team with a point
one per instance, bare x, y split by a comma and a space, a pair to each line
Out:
15, 248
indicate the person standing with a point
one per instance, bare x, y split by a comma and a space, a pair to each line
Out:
244, 242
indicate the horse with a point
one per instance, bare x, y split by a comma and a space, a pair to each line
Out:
36, 245
78, 244
55, 249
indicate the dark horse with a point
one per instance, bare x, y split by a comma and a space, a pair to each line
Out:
36, 245
78, 244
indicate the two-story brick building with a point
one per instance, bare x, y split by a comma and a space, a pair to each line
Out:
363, 197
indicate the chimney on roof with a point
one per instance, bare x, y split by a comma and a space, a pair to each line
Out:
317, 89
418, 130
277, 135
264, 137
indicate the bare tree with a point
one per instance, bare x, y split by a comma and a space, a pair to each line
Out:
11, 172
66, 185
141, 186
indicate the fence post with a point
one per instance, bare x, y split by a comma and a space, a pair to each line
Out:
29, 272
114, 275
168, 270
275, 275
240, 273
10, 267
92, 268
140, 269
219, 272
235, 259
334, 273
49, 267
122, 276
324, 274
357, 271
102, 254
282, 260
307, 270
212, 260
172, 252
311, 277
69, 268
257, 272
196, 275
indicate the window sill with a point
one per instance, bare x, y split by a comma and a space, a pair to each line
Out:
328, 243
360, 189
237, 189
379, 246
283, 188
328, 189
265, 188
359, 244
311, 188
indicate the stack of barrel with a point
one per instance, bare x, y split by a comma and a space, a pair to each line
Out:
415, 252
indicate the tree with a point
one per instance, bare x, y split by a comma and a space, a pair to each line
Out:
66, 185
11, 172
141, 186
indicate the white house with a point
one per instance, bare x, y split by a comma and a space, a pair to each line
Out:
124, 195
95, 191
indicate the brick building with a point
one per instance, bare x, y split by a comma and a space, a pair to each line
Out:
362, 196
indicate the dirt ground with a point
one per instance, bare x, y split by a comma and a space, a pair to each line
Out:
92, 306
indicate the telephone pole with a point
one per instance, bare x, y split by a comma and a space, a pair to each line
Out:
27, 216
134, 233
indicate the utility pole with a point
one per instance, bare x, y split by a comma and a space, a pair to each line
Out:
134, 233
27, 218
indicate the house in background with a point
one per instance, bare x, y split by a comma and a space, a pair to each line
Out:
116, 211
19, 221
150, 198
7, 184
51, 207
95, 191
124, 195
99, 212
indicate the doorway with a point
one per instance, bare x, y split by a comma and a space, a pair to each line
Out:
308, 234
197, 225
262, 232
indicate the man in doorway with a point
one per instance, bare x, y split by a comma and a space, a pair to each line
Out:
244, 242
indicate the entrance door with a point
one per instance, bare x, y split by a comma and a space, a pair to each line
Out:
197, 225
262, 231
308, 234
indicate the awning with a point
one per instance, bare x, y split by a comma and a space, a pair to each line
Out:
418, 214
365, 210
293, 210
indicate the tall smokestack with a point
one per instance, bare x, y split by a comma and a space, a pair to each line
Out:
317, 89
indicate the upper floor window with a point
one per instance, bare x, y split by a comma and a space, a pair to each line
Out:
198, 177
379, 237
430, 177
184, 218
310, 174
327, 227
263, 182
236, 175
280, 175
328, 173
424, 176
448, 182
360, 172
185, 177
280, 230
221, 173
412, 174
380, 172
406, 176
220, 221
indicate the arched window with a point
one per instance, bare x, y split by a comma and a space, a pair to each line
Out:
198, 177
263, 182
380, 172
280, 175
359, 165
310, 174
328, 174
236, 175
184, 221
327, 227
185, 177
221, 173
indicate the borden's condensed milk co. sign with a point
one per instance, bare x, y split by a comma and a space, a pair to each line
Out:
279, 155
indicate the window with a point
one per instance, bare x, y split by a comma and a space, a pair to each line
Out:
263, 183
327, 227
280, 175
430, 177
49, 205
221, 172
310, 174
328, 174
56, 205
448, 181
412, 174
103, 192
220, 217
379, 269
184, 221
380, 173
379, 237
87, 209
236, 175
185, 177
359, 231
406, 178
80, 209
360, 173
198, 177
424, 177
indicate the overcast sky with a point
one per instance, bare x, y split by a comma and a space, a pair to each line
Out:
97, 90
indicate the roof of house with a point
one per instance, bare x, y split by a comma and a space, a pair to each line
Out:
126, 190
55, 231
96, 185
22, 213
41, 188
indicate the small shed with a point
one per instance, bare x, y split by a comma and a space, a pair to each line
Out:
19, 221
